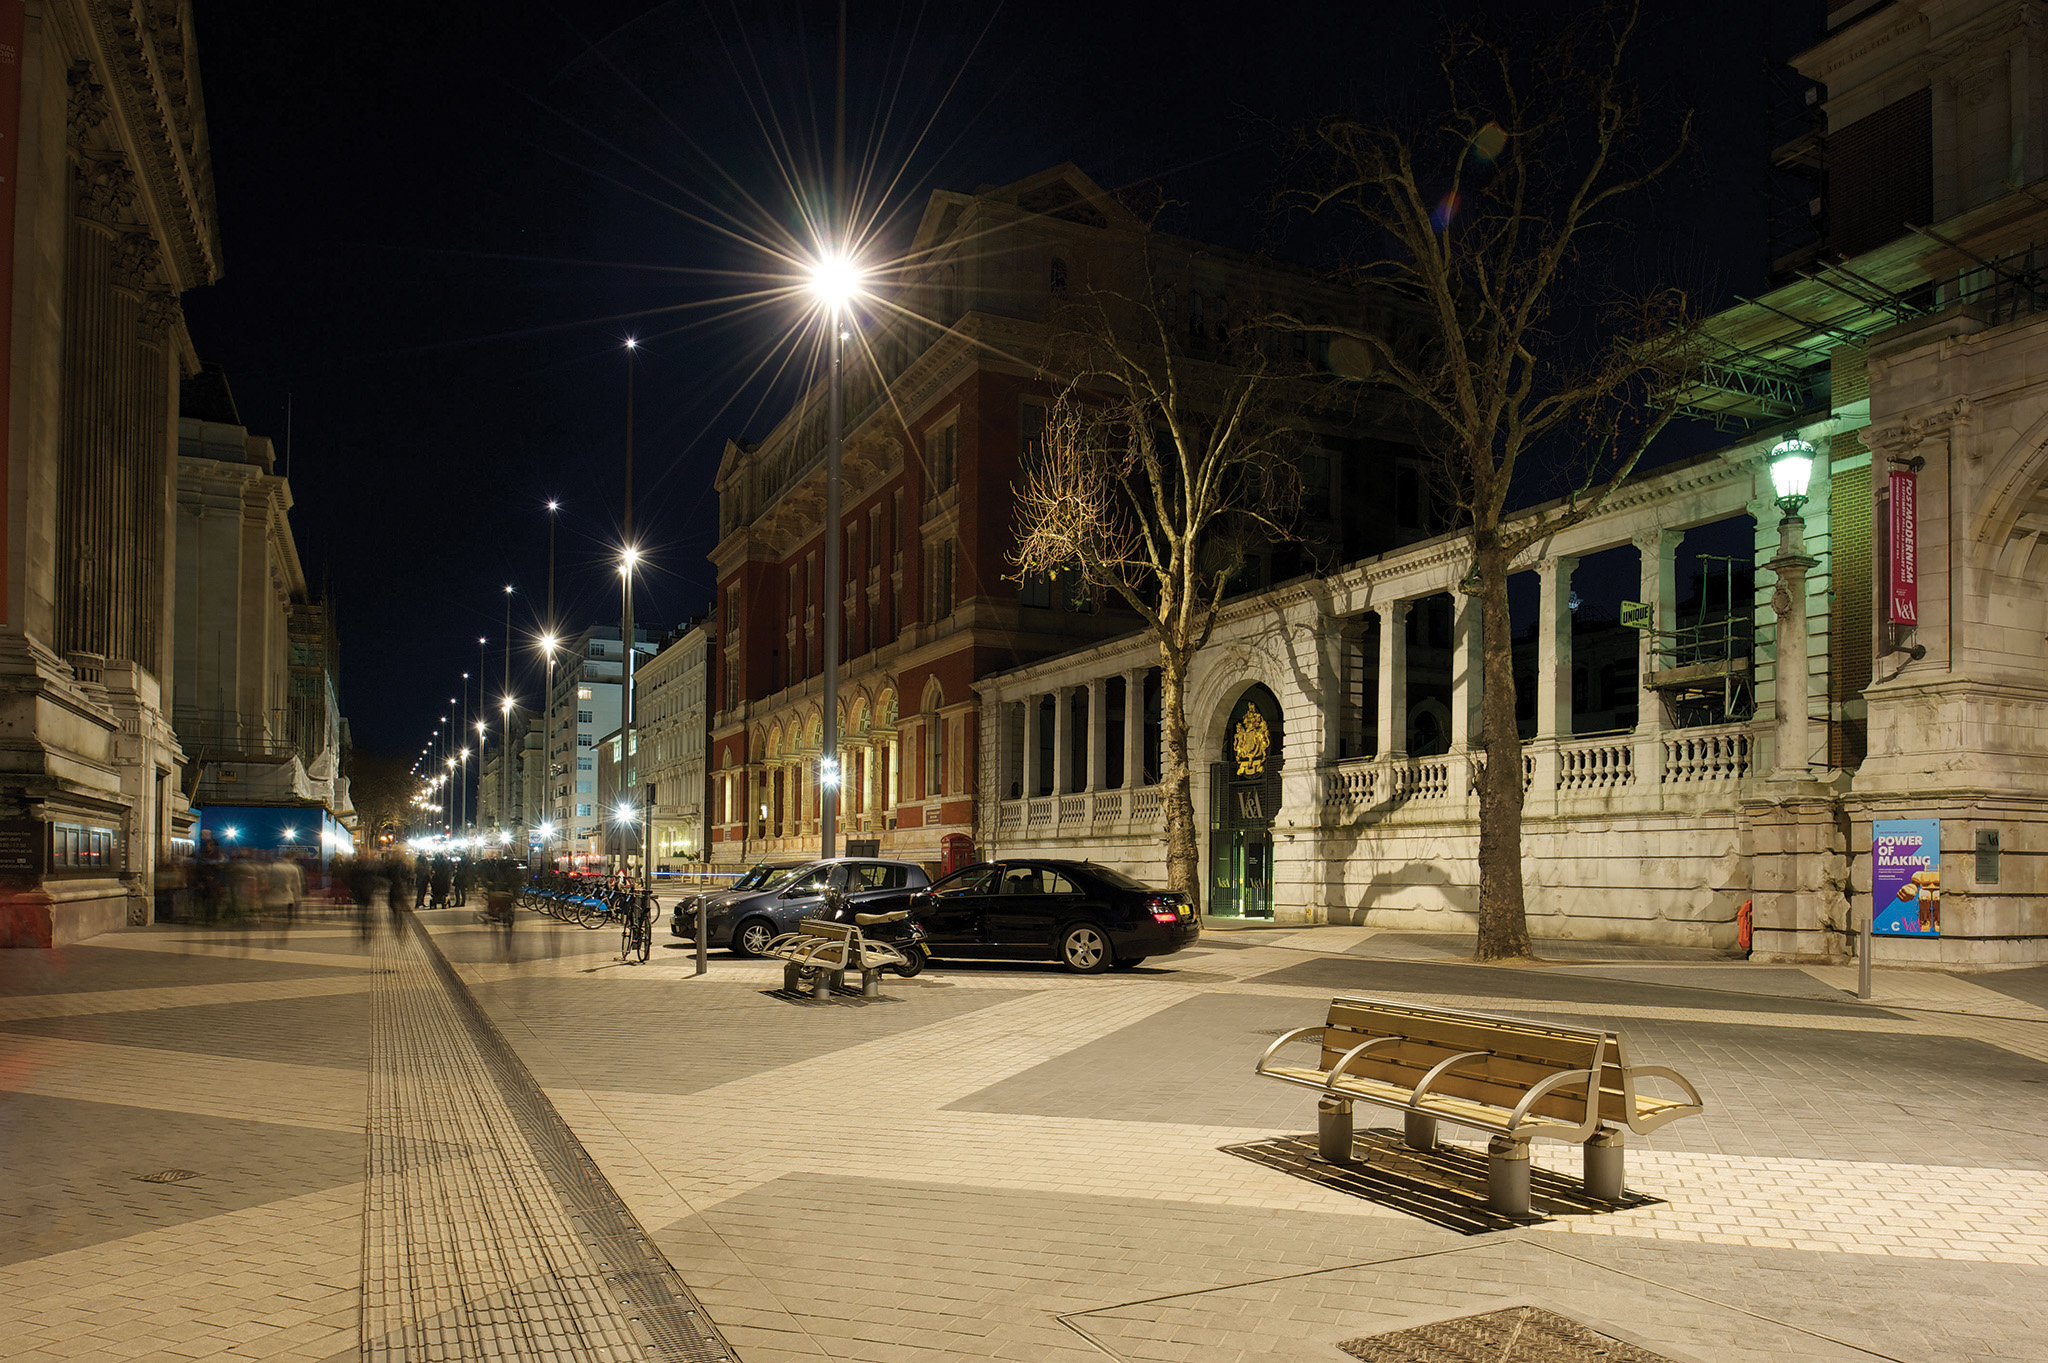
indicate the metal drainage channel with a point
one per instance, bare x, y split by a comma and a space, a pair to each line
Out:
1526, 1334
646, 1285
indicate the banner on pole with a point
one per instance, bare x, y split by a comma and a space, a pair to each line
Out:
1903, 598
1905, 877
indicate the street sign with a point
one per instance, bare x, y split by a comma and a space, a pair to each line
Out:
1638, 615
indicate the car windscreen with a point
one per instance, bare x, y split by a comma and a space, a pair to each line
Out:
766, 877
1116, 878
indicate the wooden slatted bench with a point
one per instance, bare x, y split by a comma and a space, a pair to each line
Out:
1515, 1078
826, 951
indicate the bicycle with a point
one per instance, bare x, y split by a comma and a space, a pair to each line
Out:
636, 927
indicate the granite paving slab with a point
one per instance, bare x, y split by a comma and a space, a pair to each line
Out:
327, 1030
88, 968
71, 1170
1343, 974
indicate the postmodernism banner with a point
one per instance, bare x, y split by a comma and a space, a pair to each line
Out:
1903, 599
1905, 877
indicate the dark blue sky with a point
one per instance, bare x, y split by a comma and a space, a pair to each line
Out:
441, 220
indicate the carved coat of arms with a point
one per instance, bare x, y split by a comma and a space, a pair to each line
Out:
1252, 743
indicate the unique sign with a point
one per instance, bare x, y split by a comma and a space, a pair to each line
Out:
1252, 742
1905, 877
1637, 615
1902, 600
22, 844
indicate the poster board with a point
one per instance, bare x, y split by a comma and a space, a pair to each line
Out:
1905, 877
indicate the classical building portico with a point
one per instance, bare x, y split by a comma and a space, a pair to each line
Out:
1641, 833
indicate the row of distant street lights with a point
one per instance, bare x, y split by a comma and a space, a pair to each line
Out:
835, 282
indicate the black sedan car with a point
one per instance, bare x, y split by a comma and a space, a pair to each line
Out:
1086, 917
770, 900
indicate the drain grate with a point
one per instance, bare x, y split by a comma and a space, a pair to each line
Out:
167, 1176
1521, 1334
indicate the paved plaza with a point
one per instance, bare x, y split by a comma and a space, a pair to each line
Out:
366, 1140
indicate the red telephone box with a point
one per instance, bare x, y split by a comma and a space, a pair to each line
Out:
955, 851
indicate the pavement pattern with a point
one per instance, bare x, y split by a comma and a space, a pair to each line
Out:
995, 1161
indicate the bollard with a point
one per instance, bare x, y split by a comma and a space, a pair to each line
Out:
1604, 1158
1418, 1130
704, 947
1333, 1129
1507, 1176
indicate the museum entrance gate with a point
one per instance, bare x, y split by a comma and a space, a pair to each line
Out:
1244, 798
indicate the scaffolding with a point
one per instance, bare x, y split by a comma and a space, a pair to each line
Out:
1705, 671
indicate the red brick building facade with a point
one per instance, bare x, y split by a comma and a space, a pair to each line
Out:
940, 411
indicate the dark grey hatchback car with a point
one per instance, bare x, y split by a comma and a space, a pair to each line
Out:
771, 899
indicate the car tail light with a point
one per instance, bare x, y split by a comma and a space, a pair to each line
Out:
1164, 910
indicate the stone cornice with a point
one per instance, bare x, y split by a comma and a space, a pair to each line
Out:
152, 80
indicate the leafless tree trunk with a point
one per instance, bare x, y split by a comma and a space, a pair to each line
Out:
1490, 215
1159, 470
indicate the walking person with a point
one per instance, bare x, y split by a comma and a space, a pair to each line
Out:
421, 877
442, 880
465, 871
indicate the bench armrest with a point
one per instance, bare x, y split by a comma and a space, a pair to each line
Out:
1344, 1062
1293, 1036
1583, 1077
1634, 1072
1422, 1084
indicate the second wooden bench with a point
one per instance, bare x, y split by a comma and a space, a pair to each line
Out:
1510, 1076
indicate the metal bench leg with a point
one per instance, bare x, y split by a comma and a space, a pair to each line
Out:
1418, 1130
790, 975
821, 987
1333, 1129
870, 983
1604, 1158
1507, 1176
839, 979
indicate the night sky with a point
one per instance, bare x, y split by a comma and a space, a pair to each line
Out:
440, 222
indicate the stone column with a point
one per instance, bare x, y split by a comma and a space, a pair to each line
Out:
1468, 671
1134, 729
96, 344
1791, 728
1034, 764
1393, 734
1062, 740
1658, 551
1098, 731
148, 641
1554, 649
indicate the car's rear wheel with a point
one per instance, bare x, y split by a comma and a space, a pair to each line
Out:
752, 937
1128, 962
1084, 948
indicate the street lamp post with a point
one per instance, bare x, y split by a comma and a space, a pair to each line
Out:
834, 282
628, 787
505, 753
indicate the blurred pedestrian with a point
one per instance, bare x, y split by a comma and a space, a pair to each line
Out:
443, 879
209, 869
421, 875
465, 871
284, 885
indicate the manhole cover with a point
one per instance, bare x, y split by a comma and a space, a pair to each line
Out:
1521, 1334
167, 1176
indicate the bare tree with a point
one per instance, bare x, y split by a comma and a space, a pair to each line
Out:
1531, 369
1159, 470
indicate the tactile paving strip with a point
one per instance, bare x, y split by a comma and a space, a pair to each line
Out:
489, 1232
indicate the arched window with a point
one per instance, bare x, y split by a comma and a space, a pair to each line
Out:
935, 739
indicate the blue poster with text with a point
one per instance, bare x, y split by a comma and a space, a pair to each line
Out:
1905, 877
